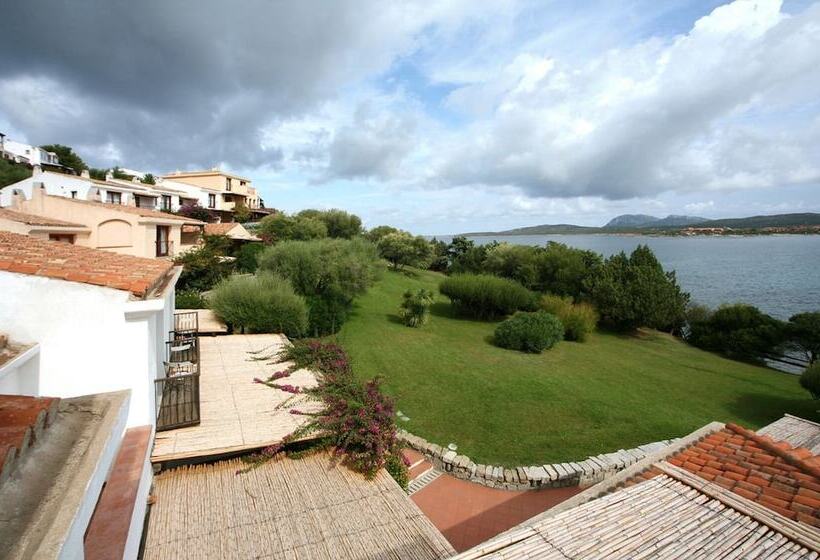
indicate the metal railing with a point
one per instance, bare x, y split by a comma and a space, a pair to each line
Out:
177, 394
185, 323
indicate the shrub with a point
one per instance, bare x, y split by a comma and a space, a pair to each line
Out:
517, 262
340, 224
247, 257
579, 319
739, 331
263, 303
402, 249
378, 232
330, 273
281, 227
566, 270
415, 307
810, 380
529, 332
190, 299
358, 419
485, 296
196, 212
804, 334
631, 292
202, 269
397, 467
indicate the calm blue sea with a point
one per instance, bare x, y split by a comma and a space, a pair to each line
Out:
780, 274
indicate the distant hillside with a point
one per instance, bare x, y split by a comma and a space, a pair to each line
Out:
776, 220
641, 223
644, 220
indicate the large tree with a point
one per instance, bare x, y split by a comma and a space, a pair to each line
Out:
402, 249
67, 157
803, 331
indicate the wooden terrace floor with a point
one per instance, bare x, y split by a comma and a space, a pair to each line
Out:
237, 414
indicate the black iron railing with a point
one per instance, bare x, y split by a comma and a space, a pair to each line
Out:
186, 323
177, 394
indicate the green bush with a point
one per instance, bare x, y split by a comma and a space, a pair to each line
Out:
803, 331
739, 331
485, 296
415, 307
810, 380
529, 332
263, 303
394, 464
579, 319
402, 249
330, 273
202, 269
281, 227
190, 299
634, 291
247, 257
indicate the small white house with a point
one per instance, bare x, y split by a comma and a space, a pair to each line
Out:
26, 153
99, 319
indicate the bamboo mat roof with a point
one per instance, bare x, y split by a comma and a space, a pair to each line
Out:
798, 432
286, 508
236, 413
660, 518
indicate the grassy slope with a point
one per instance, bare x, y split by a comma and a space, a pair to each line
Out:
507, 407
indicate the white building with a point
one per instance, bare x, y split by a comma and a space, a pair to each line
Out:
26, 153
100, 320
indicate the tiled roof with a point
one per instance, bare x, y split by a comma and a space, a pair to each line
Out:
663, 518
221, 228
27, 255
144, 212
34, 220
22, 421
773, 474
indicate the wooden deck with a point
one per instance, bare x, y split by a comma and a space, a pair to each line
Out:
237, 414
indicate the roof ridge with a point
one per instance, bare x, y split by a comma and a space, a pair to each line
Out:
782, 449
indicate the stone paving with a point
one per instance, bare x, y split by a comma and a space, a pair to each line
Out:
468, 514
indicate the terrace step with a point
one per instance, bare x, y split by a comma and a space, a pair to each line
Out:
423, 480
22, 422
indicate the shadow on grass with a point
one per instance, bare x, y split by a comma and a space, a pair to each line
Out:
409, 273
759, 409
448, 311
393, 318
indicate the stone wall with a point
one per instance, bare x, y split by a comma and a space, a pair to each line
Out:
584, 473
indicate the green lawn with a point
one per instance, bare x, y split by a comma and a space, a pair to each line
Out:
506, 407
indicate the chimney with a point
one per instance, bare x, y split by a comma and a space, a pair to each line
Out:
85, 174
17, 200
135, 179
38, 194
94, 195
36, 170
108, 175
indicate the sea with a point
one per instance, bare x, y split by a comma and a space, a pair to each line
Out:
780, 274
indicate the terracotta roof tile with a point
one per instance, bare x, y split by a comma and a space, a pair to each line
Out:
22, 420
144, 212
27, 255
33, 219
221, 228
771, 473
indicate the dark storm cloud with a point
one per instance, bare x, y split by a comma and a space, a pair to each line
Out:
169, 83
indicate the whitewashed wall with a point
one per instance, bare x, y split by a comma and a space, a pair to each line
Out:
92, 339
21, 375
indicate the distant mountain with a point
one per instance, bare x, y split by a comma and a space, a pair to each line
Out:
640, 223
644, 220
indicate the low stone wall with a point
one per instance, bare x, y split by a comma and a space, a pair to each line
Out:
584, 473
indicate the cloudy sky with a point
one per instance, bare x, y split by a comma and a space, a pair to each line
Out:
437, 116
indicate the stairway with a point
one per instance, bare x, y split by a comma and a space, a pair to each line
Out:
422, 472
22, 422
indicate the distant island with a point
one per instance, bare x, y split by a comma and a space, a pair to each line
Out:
643, 224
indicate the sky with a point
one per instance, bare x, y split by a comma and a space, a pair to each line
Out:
436, 116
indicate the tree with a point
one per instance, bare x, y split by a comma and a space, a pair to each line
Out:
378, 232
402, 249
11, 173
340, 224
810, 380
97, 173
118, 173
739, 331
631, 292
281, 227
196, 212
241, 213
67, 157
564, 270
149, 179
305, 229
803, 331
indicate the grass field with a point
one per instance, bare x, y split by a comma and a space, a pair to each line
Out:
510, 408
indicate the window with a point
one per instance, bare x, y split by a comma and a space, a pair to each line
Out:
73, 194
211, 201
163, 241
242, 183
61, 237
166, 202
113, 197
227, 183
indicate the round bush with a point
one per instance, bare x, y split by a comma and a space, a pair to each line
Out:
529, 332
579, 319
260, 304
810, 380
485, 296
